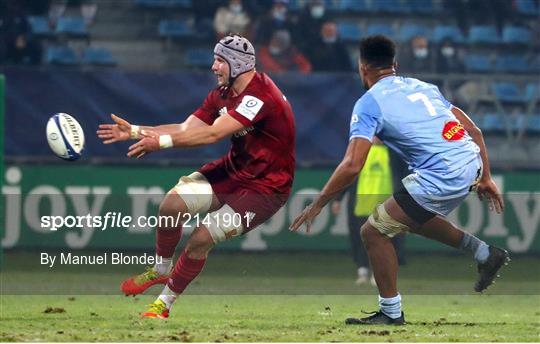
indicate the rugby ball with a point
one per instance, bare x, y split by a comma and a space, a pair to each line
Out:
65, 136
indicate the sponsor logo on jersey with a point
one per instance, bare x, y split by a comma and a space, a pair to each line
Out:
453, 131
243, 132
354, 118
223, 111
249, 107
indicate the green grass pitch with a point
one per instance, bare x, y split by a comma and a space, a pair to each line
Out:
271, 297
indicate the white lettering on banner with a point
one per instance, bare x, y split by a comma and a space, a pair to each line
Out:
141, 197
32, 203
495, 226
249, 107
253, 239
12, 228
475, 216
79, 195
298, 202
24, 212
529, 221
341, 225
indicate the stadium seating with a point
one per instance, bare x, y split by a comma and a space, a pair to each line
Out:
410, 30
533, 123
451, 32
61, 56
380, 29
352, 5
199, 57
72, 26
164, 4
349, 31
512, 64
425, 6
532, 92
492, 122
98, 57
39, 25
508, 92
174, 29
390, 6
516, 35
483, 34
527, 7
478, 64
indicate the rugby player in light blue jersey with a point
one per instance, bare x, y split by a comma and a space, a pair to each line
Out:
447, 156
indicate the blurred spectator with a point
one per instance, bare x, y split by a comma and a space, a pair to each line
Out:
416, 58
57, 9
381, 175
17, 45
309, 25
480, 12
277, 18
88, 11
448, 58
231, 19
280, 55
328, 53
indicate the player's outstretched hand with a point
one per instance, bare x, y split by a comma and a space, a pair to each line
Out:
149, 143
488, 189
111, 133
307, 216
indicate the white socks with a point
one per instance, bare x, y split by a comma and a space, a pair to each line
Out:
165, 267
391, 306
168, 297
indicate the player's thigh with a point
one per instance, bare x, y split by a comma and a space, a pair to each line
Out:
389, 219
242, 213
396, 212
200, 241
192, 194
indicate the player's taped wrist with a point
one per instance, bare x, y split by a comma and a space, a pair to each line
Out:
134, 134
165, 141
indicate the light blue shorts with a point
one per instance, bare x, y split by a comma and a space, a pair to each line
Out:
440, 194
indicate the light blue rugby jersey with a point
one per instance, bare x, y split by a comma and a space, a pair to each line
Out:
409, 116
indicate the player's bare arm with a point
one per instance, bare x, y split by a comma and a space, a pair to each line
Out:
486, 187
223, 127
343, 176
122, 130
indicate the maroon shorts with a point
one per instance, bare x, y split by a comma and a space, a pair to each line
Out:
253, 202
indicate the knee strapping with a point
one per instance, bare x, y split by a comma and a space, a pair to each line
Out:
384, 223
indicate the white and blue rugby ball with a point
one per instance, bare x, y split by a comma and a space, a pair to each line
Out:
65, 136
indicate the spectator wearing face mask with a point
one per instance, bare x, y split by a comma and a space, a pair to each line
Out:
329, 53
309, 25
417, 58
277, 18
231, 18
448, 58
17, 44
280, 55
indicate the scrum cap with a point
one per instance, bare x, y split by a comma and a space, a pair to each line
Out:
238, 52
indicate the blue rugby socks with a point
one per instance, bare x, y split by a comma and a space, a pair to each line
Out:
477, 247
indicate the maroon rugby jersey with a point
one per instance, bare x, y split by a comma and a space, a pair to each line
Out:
264, 153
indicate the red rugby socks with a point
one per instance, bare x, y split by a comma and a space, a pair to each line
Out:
185, 271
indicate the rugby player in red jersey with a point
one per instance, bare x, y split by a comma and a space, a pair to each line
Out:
251, 183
